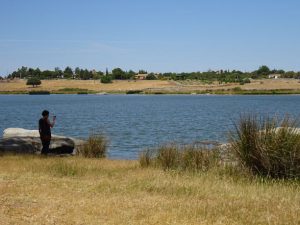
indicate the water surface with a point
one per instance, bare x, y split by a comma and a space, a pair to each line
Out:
135, 122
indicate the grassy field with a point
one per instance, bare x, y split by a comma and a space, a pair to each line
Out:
289, 86
55, 190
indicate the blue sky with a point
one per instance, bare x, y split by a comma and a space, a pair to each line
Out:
156, 35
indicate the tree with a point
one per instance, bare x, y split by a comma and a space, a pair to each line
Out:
106, 79
290, 74
142, 72
77, 73
118, 74
37, 72
263, 70
151, 76
68, 73
57, 72
34, 81
47, 74
130, 74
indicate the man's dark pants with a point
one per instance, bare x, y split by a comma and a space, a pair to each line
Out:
45, 149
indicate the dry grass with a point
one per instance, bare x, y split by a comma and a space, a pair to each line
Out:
148, 85
56, 85
75, 190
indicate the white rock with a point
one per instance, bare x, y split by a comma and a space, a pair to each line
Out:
20, 140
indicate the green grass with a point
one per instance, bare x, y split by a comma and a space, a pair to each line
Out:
73, 91
13, 92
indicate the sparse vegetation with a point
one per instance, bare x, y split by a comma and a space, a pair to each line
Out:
180, 157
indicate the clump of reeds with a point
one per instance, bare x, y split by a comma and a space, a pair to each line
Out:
267, 146
182, 157
146, 157
95, 147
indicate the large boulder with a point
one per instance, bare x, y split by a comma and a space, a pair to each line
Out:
18, 140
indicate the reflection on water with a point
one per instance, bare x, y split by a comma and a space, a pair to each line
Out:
134, 122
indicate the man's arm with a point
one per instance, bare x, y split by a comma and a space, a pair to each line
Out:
40, 129
53, 122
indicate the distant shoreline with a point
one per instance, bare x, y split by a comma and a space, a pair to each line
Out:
155, 87
256, 92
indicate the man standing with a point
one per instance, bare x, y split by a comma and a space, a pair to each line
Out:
45, 131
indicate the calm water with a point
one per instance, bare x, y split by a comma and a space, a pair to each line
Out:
134, 122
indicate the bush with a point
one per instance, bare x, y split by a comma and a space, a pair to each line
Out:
168, 156
73, 90
267, 146
182, 157
247, 81
237, 89
94, 147
39, 93
151, 76
34, 81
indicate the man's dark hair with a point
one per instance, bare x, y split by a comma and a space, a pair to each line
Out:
45, 113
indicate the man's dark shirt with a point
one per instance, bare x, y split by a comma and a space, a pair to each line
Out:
44, 128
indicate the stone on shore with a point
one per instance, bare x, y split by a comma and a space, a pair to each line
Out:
18, 140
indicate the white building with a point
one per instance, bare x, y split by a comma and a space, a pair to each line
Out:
274, 76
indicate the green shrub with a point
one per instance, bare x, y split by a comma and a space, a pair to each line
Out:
72, 90
106, 79
247, 81
151, 76
95, 147
267, 146
39, 93
237, 89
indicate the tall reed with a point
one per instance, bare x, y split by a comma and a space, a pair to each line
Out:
267, 145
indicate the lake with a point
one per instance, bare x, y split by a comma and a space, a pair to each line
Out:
135, 122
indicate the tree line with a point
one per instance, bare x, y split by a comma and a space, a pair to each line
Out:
223, 76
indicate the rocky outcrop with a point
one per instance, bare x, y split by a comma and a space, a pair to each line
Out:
18, 140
